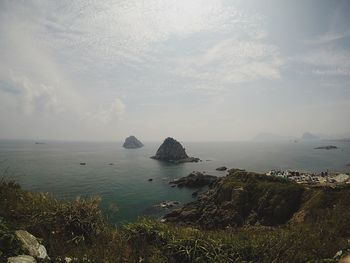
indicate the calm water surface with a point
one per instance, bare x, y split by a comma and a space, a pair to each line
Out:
55, 167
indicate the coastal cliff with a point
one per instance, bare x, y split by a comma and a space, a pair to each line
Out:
242, 198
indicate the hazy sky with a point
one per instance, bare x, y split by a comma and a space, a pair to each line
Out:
192, 69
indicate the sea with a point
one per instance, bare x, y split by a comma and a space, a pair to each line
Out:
121, 176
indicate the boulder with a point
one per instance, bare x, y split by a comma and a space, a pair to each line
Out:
194, 180
30, 244
21, 259
132, 143
172, 151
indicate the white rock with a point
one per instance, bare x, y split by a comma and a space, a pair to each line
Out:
68, 259
31, 244
21, 259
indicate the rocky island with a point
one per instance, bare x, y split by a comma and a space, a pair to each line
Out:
309, 136
172, 151
132, 143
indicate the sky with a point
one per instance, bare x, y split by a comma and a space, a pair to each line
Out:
196, 70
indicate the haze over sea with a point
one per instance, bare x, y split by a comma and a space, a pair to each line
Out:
55, 167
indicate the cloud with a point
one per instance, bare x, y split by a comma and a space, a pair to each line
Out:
127, 30
232, 61
327, 38
33, 97
109, 113
327, 61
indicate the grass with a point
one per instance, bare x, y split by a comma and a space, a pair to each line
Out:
79, 230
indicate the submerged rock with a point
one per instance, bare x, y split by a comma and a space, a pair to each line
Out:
30, 244
195, 193
172, 151
194, 180
132, 143
21, 259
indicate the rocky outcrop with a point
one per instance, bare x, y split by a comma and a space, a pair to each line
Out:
241, 198
221, 168
194, 180
172, 151
30, 244
132, 143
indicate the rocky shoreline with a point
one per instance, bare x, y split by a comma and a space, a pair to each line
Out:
194, 180
240, 198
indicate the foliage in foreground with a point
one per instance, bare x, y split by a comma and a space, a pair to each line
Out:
78, 229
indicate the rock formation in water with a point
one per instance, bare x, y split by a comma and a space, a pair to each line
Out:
172, 151
328, 147
132, 143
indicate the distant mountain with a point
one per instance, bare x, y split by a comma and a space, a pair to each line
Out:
309, 136
266, 136
344, 140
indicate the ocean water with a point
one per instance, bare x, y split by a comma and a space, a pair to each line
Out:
55, 167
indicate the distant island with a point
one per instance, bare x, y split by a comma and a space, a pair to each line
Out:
328, 147
172, 151
309, 136
132, 142
266, 136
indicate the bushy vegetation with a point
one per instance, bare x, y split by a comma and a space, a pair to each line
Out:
79, 230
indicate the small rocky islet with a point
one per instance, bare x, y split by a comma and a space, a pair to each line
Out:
132, 142
221, 168
172, 151
328, 147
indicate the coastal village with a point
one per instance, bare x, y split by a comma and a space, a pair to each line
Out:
313, 179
